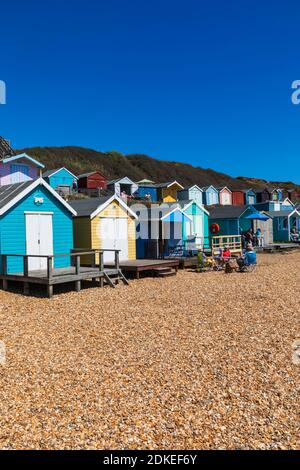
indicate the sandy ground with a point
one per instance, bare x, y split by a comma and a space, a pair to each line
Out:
197, 361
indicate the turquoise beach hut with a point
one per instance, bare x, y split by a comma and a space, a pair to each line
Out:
61, 179
34, 220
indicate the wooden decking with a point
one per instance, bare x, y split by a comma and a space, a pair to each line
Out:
141, 265
54, 276
186, 261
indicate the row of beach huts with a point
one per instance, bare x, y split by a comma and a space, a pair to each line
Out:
56, 226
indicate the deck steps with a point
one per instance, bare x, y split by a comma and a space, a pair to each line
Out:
164, 272
113, 279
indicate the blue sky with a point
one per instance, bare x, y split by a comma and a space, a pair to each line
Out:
208, 83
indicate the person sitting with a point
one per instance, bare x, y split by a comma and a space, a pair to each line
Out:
248, 259
226, 253
294, 235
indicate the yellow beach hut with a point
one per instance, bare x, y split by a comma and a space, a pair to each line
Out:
167, 192
105, 223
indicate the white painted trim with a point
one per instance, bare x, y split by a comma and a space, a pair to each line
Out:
23, 155
295, 211
195, 186
115, 197
174, 210
201, 207
35, 184
175, 182
225, 187
38, 212
59, 169
287, 199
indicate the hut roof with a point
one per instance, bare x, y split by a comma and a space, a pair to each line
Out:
56, 170
86, 207
226, 212
12, 193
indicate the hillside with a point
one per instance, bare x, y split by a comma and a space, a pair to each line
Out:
114, 164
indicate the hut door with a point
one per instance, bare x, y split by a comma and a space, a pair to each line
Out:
39, 239
114, 236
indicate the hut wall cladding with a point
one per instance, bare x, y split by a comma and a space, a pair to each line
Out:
238, 198
13, 228
169, 194
83, 236
118, 211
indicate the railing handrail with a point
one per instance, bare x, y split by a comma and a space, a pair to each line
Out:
60, 255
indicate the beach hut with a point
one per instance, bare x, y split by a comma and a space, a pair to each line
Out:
225, 196
287, 205
191, 193
276, 195
238, 197
160, 229
275, 205
167, 192
18, 169
233, 220
105, 223
34, 220
91, 181
198, 230
210, 195
61, 179
262, 195
283, 223
249, 197
122, 186
147, 191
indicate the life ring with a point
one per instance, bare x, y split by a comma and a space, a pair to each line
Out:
214, 228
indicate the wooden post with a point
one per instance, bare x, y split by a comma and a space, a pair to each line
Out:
25, 265
26, 288
101, 261
77, 286
94, 259
49, 267
50, 290
77, 264
4, 284
117, 260
4, 264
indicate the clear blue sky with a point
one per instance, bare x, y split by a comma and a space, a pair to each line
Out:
207, 83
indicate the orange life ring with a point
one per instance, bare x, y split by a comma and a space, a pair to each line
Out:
214, 228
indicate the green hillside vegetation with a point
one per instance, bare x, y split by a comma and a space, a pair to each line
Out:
114, 164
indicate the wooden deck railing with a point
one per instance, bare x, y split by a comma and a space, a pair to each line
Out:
74, 255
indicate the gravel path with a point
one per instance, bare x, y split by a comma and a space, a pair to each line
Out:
197, 361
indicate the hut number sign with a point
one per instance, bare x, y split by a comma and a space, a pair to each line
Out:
38, 200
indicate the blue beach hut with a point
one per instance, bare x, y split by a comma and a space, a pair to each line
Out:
159, 230
34, 220
61, 179
210, 195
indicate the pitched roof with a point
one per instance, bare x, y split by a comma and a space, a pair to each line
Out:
91, 207
86, 207
9, 192
11, 158
84, 175
12, 193
167, 184
125, 178
205, 188
226, 212
284, 213
52, 172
